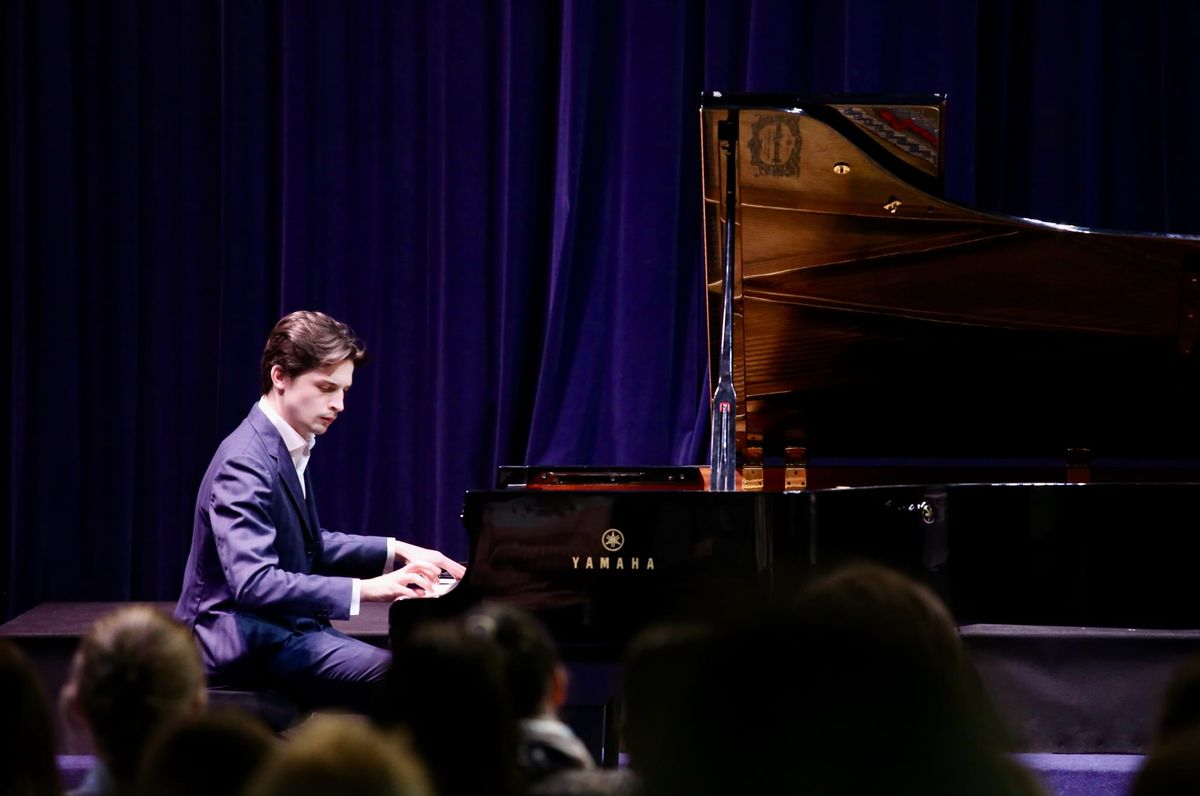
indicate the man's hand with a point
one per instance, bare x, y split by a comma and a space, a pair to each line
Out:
411, 554
415, 580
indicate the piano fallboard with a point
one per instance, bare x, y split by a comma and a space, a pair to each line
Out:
598, 566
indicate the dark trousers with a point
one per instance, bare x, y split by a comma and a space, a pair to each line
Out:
315, 667
327, 668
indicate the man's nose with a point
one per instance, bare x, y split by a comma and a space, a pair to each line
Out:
338, 402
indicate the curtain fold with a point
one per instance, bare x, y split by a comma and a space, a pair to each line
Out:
502, 198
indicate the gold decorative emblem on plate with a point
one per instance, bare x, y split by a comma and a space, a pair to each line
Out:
613, 540
775, 145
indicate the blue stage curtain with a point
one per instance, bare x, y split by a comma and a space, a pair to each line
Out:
501, 197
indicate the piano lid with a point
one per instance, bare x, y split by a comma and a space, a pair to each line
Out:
874, 318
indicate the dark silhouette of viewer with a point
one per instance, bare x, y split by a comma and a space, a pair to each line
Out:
1180, 709
886, 698
446, 689
537, 686
666, 719
214, 752
1173, 763
860, 687
1172, 768
553, 760
27, 766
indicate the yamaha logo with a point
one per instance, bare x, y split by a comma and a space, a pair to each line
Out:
612, 540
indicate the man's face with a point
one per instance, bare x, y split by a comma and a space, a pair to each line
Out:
313, 400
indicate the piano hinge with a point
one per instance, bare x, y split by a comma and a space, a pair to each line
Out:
752, 467
795, 474
1189, 306
1079, 466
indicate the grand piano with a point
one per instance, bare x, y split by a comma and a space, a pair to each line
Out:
1004, 408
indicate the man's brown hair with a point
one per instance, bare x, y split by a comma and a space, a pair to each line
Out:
305, 340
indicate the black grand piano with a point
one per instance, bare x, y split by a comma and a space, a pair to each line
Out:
1005, 408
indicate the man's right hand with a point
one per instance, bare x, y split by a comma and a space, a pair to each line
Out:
414, 580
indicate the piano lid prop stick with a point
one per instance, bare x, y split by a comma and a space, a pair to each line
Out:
723, 445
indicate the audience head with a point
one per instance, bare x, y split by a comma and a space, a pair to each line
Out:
860, 686
446, 687
1172, 767
27, 765
535, 679
1181, 704
136, 671
886, 642
341, 756
666, 716
536, 682
884, 676
213, 752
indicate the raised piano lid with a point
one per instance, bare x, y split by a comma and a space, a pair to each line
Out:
878, 324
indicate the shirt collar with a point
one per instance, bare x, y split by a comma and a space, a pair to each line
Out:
295, 444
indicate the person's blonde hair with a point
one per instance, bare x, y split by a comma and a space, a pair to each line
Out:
333, 755
134, 672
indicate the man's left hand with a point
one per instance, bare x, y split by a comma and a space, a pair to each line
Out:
409, 554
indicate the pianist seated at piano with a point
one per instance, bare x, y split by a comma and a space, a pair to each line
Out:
263, 578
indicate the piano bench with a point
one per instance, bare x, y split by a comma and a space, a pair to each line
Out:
272, 708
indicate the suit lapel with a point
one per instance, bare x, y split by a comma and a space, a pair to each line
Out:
311, 501
286, 469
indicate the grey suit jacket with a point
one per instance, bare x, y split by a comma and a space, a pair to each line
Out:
261, 567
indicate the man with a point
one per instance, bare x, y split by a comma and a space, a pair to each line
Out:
263, 579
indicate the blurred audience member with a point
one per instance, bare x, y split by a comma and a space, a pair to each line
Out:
861, 687
887, 700
213, 753
665, 713
135, 672
27, 766
1173, 766
446, 687
537, 686
1181, 704
552, 758
341, 756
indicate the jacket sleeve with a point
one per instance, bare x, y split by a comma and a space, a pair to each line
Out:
351, 554
245, 537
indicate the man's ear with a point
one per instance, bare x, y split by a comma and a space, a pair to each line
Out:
279, 379
69, 704
558, 687
199, 701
